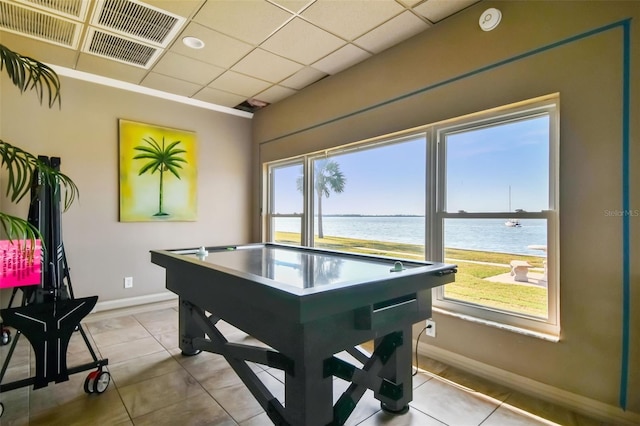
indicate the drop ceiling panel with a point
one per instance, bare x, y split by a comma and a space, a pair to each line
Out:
341, 59
250, 45
303, 78
267, 66
184, 8
302, 42
351, 18
239, 84
45, 52
188, 69
410, 3
219, 49
294, 6
219, 97
248, 20
170, 84
111, 69
392, 32
275, 94
437, 10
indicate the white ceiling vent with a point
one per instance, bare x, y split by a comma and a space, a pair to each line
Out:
74, 9
137, 20
120, 49
39, 25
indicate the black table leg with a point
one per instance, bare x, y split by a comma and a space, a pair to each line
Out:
308, 394
188, 328
397, 369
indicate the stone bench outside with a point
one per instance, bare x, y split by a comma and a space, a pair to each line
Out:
519, 270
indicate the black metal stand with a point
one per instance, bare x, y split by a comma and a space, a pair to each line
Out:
49, 314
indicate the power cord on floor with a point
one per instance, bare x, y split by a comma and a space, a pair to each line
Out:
417, 342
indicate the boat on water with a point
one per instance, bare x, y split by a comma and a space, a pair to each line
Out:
513, 223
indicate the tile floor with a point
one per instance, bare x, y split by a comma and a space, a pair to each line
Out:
153, 384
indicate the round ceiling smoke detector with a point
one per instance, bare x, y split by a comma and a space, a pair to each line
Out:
193, 42
490, 19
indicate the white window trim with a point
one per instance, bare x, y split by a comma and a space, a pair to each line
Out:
269, 201
435, 212
543, 326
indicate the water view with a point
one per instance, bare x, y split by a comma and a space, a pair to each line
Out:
471, 234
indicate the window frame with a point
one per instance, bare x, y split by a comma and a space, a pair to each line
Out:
547, 328
435, 209
269, 216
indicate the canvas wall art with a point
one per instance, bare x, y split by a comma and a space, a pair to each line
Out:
158, 173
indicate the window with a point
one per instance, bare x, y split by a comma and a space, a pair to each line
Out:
479, 191
496, 217
286, 203
367, 199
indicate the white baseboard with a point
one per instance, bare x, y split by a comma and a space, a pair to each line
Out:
577, 403
133, 304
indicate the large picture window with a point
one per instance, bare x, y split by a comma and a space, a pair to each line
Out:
365, 199
478, 191
496, 217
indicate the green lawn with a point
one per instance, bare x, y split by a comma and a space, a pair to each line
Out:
469, 285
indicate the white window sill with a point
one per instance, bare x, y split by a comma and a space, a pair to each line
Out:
514, 329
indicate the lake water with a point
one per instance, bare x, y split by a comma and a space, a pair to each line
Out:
474, 234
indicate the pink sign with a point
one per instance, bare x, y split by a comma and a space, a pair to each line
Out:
19, 264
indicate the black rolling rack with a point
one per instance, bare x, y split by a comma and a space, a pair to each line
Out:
49, 313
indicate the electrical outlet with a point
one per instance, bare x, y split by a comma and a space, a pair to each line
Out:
431, 328
128, 282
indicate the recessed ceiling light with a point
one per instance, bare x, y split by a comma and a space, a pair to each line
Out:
193, 42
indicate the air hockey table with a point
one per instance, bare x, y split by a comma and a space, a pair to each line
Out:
306, 305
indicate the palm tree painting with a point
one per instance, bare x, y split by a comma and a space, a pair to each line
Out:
161, 158
157, 173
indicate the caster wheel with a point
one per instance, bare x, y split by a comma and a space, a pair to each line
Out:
6, 337
101, 382
89, 382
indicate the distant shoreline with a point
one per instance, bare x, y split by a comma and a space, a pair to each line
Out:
371, 215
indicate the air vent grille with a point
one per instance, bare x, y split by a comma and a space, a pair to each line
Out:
72, 8
138, 20
38, 25
121, 49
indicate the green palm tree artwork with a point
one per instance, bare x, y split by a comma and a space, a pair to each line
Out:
161, 158
158, 173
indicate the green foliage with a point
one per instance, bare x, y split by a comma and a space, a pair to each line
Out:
28, 74
328, 178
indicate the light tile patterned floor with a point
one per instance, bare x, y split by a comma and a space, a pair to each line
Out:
153, 384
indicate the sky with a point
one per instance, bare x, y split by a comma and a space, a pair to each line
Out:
482, 166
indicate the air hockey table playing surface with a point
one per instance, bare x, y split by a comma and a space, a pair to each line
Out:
306, 305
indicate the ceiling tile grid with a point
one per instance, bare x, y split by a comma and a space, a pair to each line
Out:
302, 42
253, 49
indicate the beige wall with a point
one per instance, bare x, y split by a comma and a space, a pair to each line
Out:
84, 133
454, 69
